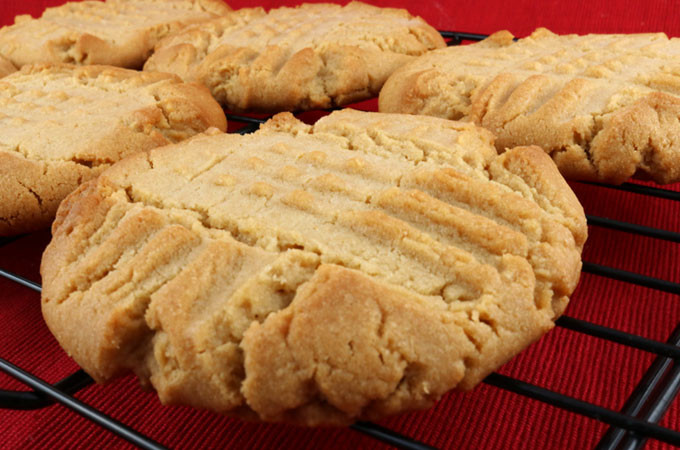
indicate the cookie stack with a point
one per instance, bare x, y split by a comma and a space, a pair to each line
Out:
315, 274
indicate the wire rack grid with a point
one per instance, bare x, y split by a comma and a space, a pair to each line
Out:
629, 428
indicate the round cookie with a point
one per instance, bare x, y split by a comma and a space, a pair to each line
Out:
605, 107
323, 274
288, 59
114, 32
62, 125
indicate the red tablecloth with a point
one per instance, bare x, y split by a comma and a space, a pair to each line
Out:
571, 363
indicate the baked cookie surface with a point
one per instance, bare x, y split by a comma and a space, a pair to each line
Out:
311, 56
353, 269
116, 32
605, 107
62, 125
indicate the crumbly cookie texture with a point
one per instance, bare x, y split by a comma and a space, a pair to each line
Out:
115, 32
310, 56
353, 269
62, 125
605, 107
6, 67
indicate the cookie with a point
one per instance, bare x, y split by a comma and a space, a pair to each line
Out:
311, 56
116, 32
353, 269
605, 107
6, 67
62, 125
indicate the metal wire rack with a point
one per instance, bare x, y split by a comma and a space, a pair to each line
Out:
629, 428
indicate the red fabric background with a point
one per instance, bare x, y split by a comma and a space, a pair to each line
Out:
587, 368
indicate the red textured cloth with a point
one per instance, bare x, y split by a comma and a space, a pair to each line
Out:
587, 368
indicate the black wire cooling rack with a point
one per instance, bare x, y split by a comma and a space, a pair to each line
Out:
629, 428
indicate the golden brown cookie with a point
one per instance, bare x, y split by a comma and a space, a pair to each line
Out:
605, 107
311, 56
353, 269
62, 125
115, 32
